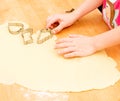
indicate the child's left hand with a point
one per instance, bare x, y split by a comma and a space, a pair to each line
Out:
76, 45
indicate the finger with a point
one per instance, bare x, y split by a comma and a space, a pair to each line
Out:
62, 40
73, 35
71, 55
52, 17
63, 45
51, 21
66, 50
76, 36
58, 28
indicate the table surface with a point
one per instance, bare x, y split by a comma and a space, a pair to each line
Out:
35, 13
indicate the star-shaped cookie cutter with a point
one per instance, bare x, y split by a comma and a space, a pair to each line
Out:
40, 40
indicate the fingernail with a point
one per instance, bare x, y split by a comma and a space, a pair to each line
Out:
53, 32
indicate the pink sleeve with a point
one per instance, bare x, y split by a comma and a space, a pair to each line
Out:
104, 3
117, 7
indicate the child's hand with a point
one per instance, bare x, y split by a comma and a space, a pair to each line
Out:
75, 45
62, 21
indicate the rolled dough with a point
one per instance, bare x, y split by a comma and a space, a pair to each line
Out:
38, 67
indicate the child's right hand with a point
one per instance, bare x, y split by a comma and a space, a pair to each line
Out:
62, 21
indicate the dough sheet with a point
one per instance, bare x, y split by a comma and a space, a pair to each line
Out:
39, 67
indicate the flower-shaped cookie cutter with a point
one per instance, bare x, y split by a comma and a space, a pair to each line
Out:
42, 32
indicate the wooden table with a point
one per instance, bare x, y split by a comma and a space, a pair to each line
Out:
34, 13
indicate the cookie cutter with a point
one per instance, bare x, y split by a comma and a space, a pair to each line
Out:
27, 36
44, 31
25, 33
15, 32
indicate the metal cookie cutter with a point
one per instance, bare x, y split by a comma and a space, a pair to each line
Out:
27, 36
44, 35
19, 27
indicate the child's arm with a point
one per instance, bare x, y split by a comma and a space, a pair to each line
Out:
107, 39
68, 19
86, 7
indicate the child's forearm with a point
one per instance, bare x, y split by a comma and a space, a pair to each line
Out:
86, 7
107, 39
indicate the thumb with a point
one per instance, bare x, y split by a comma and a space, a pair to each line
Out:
57, 29
74, 36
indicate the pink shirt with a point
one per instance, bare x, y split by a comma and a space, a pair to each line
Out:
111, 12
